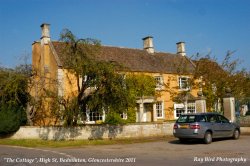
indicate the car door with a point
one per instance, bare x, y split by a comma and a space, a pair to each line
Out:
227, 128
214, 125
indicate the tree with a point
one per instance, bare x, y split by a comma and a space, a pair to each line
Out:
217, 77
99, 86
13, 98
44, 103
140, 86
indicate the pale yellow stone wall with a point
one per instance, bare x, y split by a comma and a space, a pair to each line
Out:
45, 77
70, 84
166, 94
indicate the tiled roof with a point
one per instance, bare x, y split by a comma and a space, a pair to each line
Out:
139, 60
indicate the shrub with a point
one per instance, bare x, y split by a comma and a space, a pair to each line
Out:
114, 119
11, 119
131, 115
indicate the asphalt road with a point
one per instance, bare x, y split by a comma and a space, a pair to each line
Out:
166, 152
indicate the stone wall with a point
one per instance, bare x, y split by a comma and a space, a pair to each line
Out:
99, 132
95, 132
244, 121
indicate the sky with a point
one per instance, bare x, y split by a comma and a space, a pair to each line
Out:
206, 26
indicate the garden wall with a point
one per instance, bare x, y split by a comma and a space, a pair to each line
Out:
99, 132
95, 132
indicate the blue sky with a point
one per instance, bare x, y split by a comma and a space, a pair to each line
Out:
214, 26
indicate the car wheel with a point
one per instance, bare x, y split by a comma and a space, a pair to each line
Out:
208, 138
236, 134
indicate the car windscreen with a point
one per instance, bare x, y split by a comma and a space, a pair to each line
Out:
187, 119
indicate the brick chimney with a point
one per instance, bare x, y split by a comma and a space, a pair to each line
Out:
181, 48
148, 44
45, 33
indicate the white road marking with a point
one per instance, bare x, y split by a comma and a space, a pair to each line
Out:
44, 150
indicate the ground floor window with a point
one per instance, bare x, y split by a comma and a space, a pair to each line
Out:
159, 110
95, 116
191, 107
124, 115
179, 111
181, 108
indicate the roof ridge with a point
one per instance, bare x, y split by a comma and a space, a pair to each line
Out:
123, 47
157, 52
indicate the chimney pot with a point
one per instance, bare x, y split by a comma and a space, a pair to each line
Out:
181, 48
45, 33
148, 44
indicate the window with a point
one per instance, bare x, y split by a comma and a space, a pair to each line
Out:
222, 119
181, 108
187, 119
179, 111
159, 82
159, 110
202, 118
184, 83
212, 118
95, 116
191, 107
124, 115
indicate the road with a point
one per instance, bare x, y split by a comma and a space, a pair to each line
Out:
167, 152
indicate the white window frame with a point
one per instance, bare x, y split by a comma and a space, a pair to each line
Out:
159, 82
124, 116
90, 117
95, 115
190, 107
181, 82
159, 107
177, 107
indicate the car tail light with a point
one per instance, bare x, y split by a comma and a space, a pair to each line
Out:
196, 126
175, 126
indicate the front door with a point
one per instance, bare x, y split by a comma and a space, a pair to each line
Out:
148, 109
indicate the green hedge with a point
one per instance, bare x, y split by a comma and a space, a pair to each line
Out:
11, 119
114, 119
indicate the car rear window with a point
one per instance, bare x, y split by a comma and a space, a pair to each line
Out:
187, 119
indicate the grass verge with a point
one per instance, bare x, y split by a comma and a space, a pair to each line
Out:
77, 143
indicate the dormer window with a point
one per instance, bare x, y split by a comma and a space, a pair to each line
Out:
159, 82
184, 83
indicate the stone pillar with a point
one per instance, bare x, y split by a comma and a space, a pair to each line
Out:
87, 115
154, 113
200, 103
141, 112
229, 106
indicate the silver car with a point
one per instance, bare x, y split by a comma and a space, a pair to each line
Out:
204, 126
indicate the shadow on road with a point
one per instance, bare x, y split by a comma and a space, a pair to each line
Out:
196, 141
186, 142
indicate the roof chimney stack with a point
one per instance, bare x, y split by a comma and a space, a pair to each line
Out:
181, 48
148, 44
45, 33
